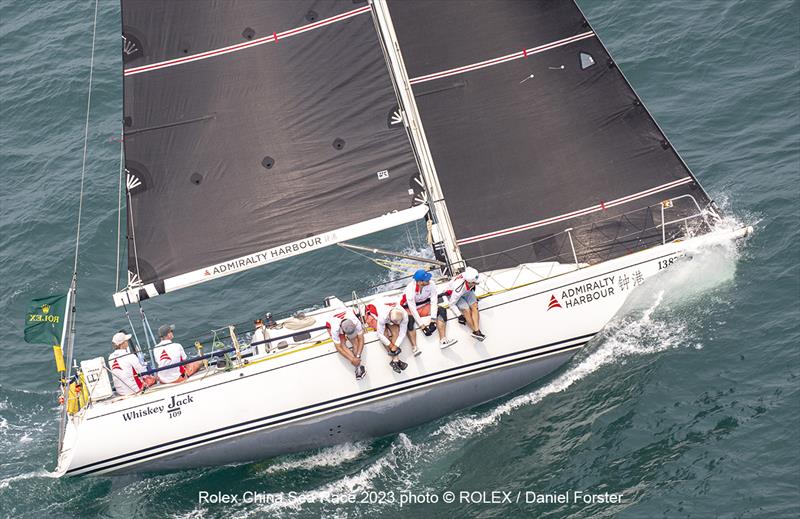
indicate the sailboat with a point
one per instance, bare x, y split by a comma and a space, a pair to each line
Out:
258, 131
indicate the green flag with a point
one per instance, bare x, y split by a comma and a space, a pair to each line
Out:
45, 320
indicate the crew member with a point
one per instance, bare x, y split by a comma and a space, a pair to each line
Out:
390, 322
167, 353
420, 299
463, 301
344, 327
125, 367
259, 336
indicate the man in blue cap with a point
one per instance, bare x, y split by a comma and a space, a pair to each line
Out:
420, 299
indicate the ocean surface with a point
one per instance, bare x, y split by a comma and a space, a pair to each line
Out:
688, 404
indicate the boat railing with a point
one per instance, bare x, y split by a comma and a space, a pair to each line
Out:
227, 350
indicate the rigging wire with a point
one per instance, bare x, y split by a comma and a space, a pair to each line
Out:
85, 139
119, 209
69, 340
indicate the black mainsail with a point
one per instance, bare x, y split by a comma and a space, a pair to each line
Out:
534, 130
254, 130
260, 129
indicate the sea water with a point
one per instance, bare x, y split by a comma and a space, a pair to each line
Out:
685, 406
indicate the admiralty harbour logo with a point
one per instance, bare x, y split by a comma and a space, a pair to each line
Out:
583, 293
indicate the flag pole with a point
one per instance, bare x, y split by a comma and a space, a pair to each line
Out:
67, 332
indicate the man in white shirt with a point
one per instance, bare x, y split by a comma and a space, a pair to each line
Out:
343, 327
421, 300
390, 323
167, 353
126, 368
260, 336
463, 301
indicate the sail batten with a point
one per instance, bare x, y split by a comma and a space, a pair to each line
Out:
602, 206
231, 153
272, 38
524, 53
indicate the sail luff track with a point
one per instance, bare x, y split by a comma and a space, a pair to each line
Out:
438, 206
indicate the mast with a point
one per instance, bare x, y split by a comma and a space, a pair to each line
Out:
442, 227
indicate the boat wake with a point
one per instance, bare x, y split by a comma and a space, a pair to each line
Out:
388, 468
5, 482
329, 457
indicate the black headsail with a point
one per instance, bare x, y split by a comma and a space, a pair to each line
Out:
253, 130
534, 130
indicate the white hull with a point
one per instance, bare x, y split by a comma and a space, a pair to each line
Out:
307, 396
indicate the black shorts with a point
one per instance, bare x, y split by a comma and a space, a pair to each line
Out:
441, 313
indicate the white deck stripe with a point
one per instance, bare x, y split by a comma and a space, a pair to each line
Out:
573, 214
502, 59
275, 37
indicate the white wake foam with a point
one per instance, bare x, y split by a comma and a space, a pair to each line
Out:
329, 457
625, 338
387, 465
5, 482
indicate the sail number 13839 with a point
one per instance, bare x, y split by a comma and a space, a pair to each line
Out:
664, 263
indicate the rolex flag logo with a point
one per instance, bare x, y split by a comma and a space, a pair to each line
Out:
45, 320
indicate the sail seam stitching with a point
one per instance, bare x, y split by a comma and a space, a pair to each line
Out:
580, 212
274, 37
502, 59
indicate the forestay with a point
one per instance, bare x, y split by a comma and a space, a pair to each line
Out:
253, 131
534, 130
